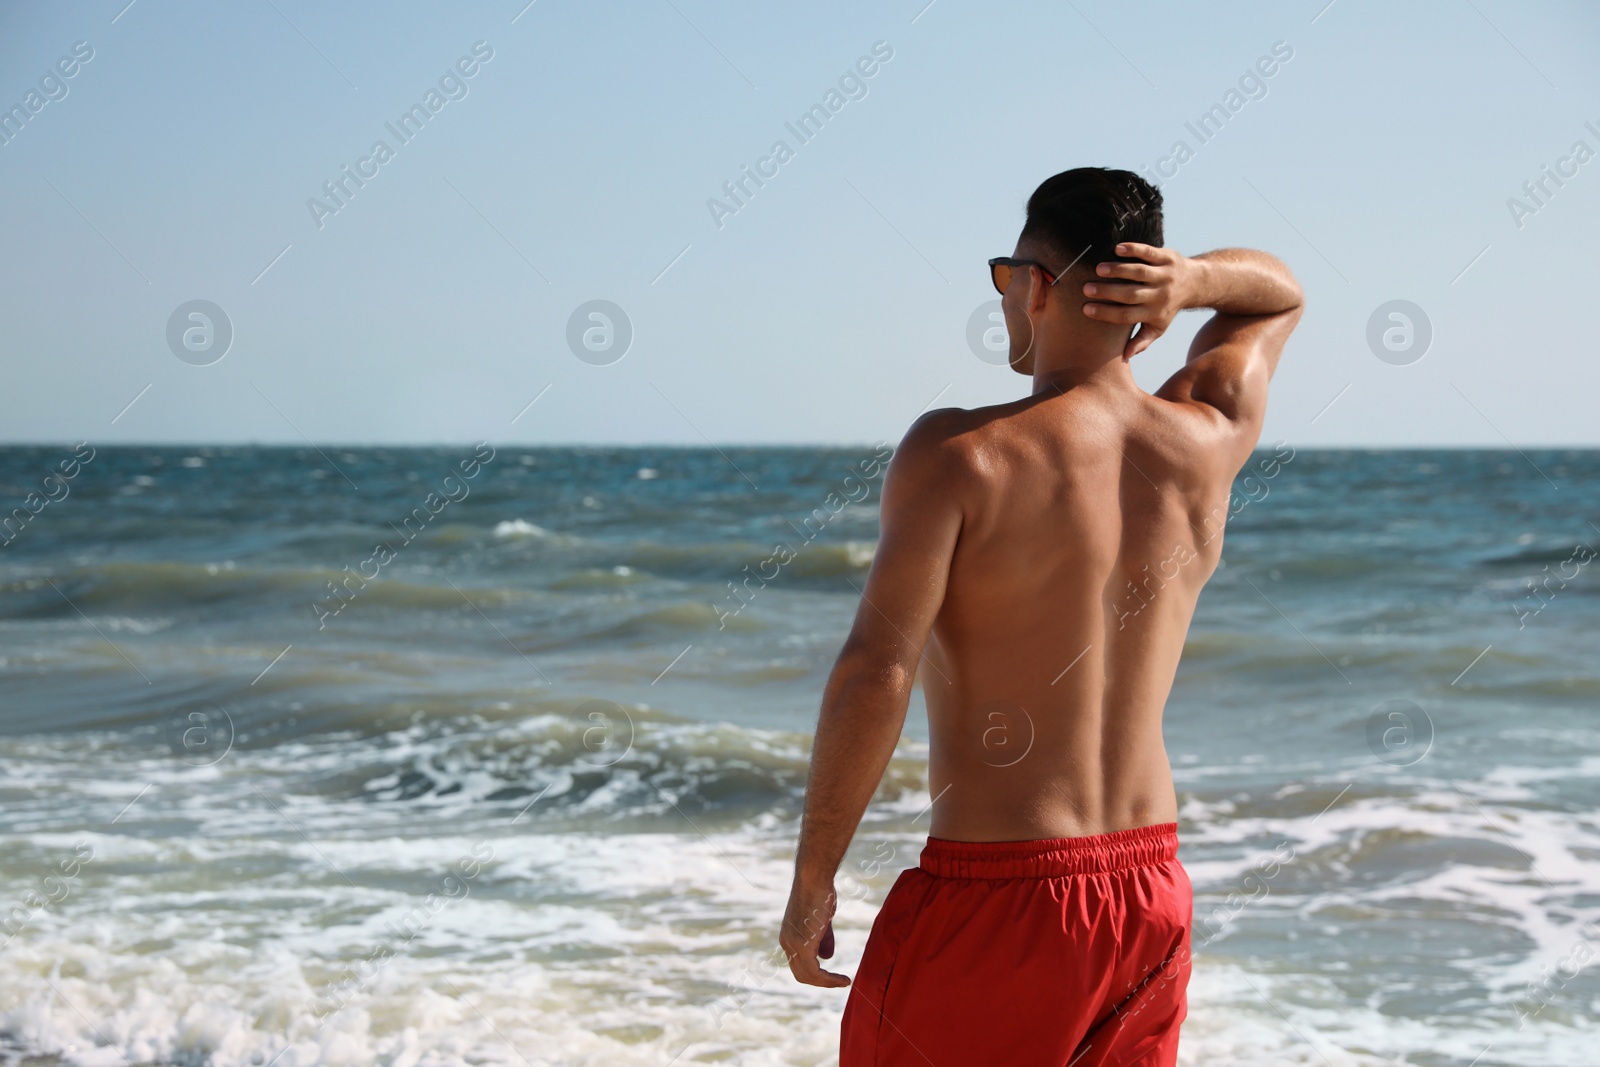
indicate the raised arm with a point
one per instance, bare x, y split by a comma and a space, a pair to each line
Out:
1257, 303
864, 703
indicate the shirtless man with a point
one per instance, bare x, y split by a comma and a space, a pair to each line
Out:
1041, 560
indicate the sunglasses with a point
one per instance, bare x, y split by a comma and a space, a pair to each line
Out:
1000, 271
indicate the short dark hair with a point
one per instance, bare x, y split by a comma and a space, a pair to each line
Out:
1083, 214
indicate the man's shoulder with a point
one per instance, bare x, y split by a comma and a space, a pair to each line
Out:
961, 452
942, 449
949, 438
958, 429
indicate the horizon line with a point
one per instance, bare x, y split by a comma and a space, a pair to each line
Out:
713, 446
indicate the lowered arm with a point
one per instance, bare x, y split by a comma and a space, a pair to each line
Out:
864, 703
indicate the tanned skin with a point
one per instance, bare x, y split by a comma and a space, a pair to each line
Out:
1041, 560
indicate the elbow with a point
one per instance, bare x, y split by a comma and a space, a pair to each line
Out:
1274, 277
868, 666
1294, 295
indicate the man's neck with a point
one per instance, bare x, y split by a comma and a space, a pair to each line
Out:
1070, 366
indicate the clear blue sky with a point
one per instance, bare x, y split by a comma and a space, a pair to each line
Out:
833, 306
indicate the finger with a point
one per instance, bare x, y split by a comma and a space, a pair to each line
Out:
825, 979
803, 965
1139, 272
1120, 292
1148, 253
1137, 341
1141, 340
1122, 314
825, 946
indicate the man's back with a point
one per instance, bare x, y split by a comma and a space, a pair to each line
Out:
1090, 524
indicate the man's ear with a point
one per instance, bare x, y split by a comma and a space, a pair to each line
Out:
1037, 290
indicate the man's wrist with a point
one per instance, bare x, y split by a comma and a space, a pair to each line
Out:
812, 875
1198, 275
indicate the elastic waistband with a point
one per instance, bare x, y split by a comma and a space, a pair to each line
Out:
1052, 857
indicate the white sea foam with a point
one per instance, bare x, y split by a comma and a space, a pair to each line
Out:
669, 956
519, 528
215, 927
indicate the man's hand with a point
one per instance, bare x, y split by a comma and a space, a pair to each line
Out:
808, 932
1149, 293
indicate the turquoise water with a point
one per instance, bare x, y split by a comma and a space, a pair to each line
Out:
303, 762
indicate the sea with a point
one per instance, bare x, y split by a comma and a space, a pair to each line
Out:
486, 754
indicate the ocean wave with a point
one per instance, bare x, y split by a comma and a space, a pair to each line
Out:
129, 587
618, 577
519, 528
832, 560
602, 763
573, 764
597, 925
642, 851
727, 561
635, 946
1534, 557
684, 617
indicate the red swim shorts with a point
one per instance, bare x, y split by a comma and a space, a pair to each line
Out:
1071, 951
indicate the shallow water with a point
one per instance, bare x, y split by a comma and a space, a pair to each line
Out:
529, 794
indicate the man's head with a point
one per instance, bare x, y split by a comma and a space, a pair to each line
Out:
1079, 216
1075, 220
